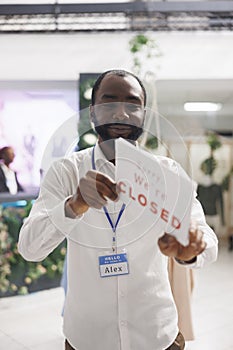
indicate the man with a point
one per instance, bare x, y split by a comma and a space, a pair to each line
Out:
8, 177
79, 199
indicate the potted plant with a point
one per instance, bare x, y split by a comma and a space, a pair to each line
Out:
18, 276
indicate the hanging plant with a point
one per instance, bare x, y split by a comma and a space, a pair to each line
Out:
213, 141
209, 165
143, 48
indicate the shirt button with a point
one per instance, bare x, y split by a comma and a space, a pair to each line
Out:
124, 323
122, 294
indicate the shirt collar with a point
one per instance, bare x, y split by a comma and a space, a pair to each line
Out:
6, 169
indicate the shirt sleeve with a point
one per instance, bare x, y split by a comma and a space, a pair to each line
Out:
47, 226
210, 253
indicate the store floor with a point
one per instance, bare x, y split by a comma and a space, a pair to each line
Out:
34, 322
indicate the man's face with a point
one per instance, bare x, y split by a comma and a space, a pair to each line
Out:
119, 108
9, 155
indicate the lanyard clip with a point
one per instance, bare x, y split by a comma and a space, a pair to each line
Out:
113, 243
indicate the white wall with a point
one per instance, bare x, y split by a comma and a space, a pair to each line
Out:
63, 56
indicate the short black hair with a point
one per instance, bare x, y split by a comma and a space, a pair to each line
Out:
120, 73
3, 151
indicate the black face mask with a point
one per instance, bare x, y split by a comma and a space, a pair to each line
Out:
102, 131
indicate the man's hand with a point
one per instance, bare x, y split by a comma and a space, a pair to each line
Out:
171, 247
93, 190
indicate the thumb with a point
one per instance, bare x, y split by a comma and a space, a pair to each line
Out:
165, 241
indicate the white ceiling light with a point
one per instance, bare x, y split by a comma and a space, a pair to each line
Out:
202, 106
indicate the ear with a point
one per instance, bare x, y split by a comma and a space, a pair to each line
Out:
144, 117
144, 114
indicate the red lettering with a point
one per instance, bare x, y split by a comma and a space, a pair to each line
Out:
121, 184
142, 200
138, 179
175, 222
164, 215
153, 207
130, 194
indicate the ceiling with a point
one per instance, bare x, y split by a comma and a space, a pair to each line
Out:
60, 16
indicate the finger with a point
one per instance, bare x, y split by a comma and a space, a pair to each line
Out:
166, 239
198, 247
168, 243
193, 226
87, 190
197, 241
96, 175
96, 203
93, 201
105, 191
105, 185
202, 246
195, 235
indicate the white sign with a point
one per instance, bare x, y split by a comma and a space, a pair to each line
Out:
156, 188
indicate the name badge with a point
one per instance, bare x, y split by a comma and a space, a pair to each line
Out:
113, 265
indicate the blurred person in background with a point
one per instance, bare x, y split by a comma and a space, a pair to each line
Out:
8, 178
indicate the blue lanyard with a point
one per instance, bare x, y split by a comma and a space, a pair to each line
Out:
113, 226
118, 218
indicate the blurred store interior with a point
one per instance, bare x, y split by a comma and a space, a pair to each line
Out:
50, 53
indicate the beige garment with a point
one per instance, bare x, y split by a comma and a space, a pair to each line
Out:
214, 222
181, 280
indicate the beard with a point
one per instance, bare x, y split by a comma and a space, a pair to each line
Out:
103, 131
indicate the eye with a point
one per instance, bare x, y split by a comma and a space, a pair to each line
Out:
132, 107
110, 106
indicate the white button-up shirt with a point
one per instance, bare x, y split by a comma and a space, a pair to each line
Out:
135, 311
10, 179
